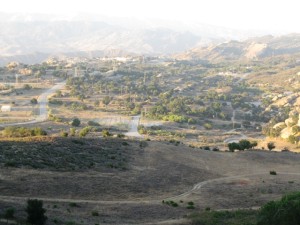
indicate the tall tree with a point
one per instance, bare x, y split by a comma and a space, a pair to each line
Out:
35, 212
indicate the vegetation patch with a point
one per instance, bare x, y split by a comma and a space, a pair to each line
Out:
64, 154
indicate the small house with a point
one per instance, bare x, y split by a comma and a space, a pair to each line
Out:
5, 108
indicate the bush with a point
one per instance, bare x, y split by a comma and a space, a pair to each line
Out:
23, 132
93, 123
64, 134
175, 118
285, 211
84, 131
95, 213
207, 126
236, 217
271, 146
72, 131
233, 146
273, 172
170, 203
33, 101
9, 213
105, 133
75, 122
27, 87
73, 204
120, 135
192, 121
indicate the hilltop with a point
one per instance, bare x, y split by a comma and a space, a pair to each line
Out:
154, 171
253, 48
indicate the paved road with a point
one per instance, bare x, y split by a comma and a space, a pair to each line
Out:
133, 131
42, 101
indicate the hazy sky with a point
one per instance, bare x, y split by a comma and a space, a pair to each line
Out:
248, 14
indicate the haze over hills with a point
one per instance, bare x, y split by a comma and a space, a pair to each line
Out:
253, 48
32, 38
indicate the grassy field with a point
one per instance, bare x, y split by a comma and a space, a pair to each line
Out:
125, 181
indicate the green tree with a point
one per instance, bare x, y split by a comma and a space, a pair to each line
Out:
35, 212
233, 146
253, 144
244, 144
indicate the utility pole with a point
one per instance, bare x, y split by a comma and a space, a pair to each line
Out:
17, 78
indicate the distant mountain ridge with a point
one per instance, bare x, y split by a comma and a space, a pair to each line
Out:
253, 48
34, 38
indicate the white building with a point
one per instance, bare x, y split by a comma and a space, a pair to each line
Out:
5, 108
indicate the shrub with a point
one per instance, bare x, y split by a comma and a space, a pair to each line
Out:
95, 213
233, 146
170, 203
207, 126
93, 123
64, 134
23, 132
72, 131
84, 131
271, 146
175, 118
244, 144
73, 204
192, 121
9, 213
75, 122
105, 133
33, 101
273, 172
27, 87
285, 211
120, 135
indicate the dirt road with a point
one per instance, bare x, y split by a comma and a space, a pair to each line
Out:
133, 130
42, 101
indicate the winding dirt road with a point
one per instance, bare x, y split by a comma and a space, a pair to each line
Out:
196, 188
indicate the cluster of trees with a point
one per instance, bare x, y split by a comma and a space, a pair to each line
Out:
241, 145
